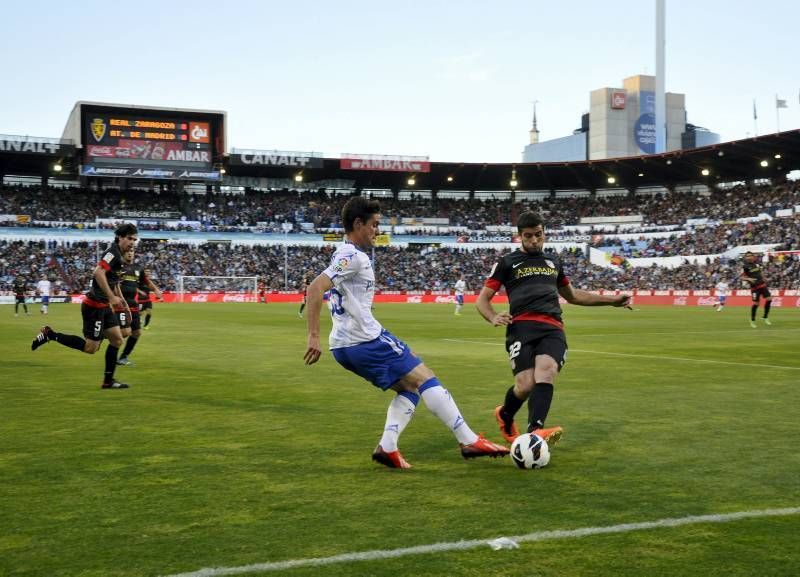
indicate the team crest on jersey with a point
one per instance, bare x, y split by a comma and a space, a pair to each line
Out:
549, 263
98, 129
341, 264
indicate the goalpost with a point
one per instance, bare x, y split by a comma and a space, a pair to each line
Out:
247, 286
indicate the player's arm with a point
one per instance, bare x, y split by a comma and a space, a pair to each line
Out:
314, 293
102, 281
485, 308
584, 298
746, 278
155, 289
119, 294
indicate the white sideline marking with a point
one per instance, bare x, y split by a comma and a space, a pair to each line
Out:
657, 357
475, 543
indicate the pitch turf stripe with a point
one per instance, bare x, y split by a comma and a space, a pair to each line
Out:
656, 357
686, 359
475, 543
765, 332
771, 331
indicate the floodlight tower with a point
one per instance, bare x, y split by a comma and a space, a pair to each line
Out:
661, 96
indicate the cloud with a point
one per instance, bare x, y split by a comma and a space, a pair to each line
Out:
468, 67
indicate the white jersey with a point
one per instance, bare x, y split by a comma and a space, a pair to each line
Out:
722, 289
350, 300
460, 287
43, 287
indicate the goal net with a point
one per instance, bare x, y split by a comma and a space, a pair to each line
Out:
230, 288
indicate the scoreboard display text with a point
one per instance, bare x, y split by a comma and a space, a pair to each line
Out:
114, 139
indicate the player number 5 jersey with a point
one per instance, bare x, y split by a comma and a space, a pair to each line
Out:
351, 297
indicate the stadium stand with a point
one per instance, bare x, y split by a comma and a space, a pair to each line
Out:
77, 207
412, 268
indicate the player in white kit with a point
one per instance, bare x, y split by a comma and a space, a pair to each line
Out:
360, 344
721, 292
43, 288
460, 287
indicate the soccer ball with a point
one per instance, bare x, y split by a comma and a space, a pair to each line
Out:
530, 451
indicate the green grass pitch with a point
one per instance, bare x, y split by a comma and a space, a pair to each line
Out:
228, 451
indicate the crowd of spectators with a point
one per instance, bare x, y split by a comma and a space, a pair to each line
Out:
417, 267
412, 268
705, 240
321, 211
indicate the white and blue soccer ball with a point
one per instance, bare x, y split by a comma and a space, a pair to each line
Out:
530, 451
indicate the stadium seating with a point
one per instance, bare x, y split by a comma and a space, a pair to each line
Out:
411, 268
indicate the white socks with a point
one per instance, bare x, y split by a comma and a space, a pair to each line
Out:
441, 404
398, 415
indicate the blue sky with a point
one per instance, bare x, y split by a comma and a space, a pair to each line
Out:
453, 80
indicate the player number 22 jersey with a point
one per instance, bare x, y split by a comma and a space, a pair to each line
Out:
351, 297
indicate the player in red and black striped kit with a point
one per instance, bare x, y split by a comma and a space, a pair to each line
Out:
304, 289
133, 278
99, 319
145, 303
20, 290
535, 340
752, 274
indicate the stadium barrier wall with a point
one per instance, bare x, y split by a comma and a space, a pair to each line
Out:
780, 298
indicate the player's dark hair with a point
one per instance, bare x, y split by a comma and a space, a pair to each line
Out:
529, 219
126, 229
358, 207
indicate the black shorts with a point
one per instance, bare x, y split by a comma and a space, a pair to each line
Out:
762, 292
136, 321
95, 321
123, 318
526, 339
145, 305
20, 299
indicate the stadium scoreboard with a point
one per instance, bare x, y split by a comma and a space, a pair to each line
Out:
183, 130
151, 143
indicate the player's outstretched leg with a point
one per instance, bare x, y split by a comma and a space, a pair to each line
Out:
441, 404
483, 447
47, 334
43, 337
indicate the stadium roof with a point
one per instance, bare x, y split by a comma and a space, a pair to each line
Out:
740, 160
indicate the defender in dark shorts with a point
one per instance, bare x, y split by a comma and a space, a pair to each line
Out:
97, 311
134, 277
143, 297
751, 273
535, 340
304, 290
20, 288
